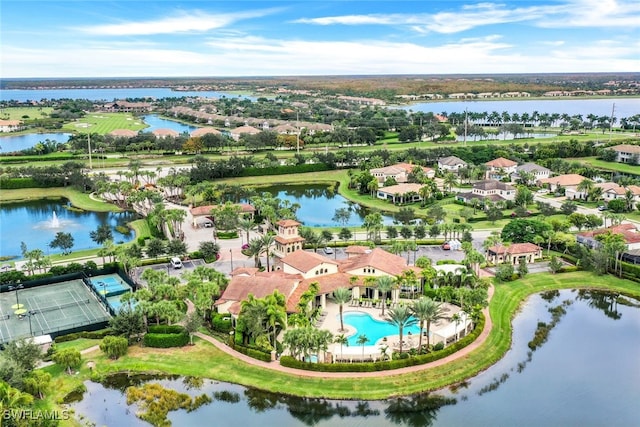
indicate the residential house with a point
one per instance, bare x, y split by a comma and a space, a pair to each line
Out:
616, 191
164, 133
491, 190
11, 125
204, 131
401, 193
500, 168
127, 107
123, 133
451, 164
537, 172
237, 132
567, 182
514, 253
399, 172
628, 231
627, 153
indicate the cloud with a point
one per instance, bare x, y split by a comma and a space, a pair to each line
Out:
575, 13
180, 22
259, 56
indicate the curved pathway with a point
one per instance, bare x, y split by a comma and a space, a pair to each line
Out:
488, 325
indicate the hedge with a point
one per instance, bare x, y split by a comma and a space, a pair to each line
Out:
84, 334
285, 170
166, 336
256, 354
421, 359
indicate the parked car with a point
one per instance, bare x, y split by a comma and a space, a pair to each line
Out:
446, 246
602, 208
543, 191
327, 250
176, 263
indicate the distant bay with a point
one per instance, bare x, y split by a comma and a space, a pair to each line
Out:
108, 95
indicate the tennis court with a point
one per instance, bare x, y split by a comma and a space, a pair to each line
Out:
48, 309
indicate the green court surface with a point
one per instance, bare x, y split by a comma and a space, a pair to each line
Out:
48, 309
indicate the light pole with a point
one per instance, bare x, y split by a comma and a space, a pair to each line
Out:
31, 313
231, 254
16, 288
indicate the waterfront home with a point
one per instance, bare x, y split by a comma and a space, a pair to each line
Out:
123, 133
237, 132
627, 153
399, 172
628, 231
204, 131
11, 126
401, 193
164, 133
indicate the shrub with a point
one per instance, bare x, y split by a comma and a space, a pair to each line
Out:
251, 352
84, 334
114, 347
166, 337
221, 322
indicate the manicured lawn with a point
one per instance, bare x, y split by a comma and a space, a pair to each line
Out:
77, 198
206, 361
79, 344
103, 123
609, 166
17, 113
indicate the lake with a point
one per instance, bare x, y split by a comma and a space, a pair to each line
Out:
586, 374
625, 107
318, 204
9, 144
32, 223
108, 95
16, 143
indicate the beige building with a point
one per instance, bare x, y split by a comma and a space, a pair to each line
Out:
513, 253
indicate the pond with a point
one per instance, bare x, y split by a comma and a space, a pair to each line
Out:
318, 204
585, 374
34, 224
156, 122
9, 144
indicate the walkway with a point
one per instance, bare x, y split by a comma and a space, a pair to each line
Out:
313, 374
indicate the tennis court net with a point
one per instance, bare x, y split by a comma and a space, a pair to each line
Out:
61, 306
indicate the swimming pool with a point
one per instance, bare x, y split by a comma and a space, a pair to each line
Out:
372, 328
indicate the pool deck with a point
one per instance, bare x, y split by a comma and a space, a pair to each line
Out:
331, 322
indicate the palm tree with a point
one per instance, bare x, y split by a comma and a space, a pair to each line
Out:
246, 225
12, 398
267, 242
456, 319
449, 180
275, 312
255, 249
401, 318
585, 186
342, 340
362, 340
342, 295
426, 310
384, 285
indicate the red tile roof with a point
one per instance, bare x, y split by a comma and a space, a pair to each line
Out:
288, 223
206, 210
378, 259
501, 162
515, 248
628, 231
305, 261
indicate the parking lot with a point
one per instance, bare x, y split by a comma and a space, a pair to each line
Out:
187, 265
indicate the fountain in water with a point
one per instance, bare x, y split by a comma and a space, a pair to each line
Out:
55, 222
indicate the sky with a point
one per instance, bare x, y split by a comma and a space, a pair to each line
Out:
162, 38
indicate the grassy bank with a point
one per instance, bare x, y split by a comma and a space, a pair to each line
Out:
77, 198
205, 360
